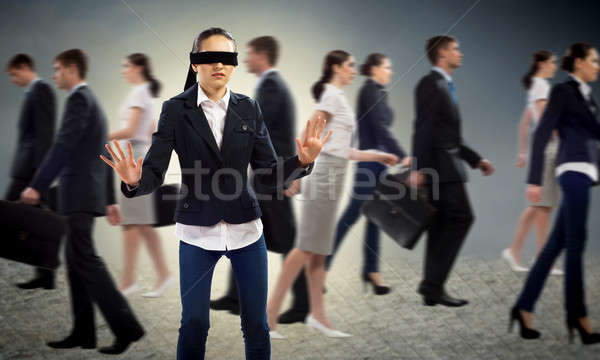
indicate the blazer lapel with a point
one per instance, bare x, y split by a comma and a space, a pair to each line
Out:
196, 118
232, 120
582, 100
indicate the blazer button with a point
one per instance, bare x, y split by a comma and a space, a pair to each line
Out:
244, 127
186, 205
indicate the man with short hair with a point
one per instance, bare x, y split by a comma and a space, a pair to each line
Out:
439, 152
35, 135
85, 191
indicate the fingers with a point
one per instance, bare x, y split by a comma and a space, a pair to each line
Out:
306, 131
130, 153
322, 123
139, 164
317, 127
327, 137
121, 153
108, 162
112, 153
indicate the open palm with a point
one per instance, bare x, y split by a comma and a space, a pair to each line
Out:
310, 147
126, 167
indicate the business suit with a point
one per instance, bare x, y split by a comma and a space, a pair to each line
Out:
214, 189
35, 135
278, 218
84, 192
438, 147
575, 119
374, 119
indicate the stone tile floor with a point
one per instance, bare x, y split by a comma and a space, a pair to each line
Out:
396, 326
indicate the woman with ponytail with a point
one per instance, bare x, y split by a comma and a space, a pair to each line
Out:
137, 126
537, 214
572, 112
322, 192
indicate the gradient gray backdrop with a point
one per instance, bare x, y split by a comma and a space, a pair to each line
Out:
497, 38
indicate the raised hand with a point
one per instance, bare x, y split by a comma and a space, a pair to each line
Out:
128, 170
310, 147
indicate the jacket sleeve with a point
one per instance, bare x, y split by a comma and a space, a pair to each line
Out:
45, 122
156, 161
375, 104
70, 133
543, 131
268, 171
469, 155
426, 102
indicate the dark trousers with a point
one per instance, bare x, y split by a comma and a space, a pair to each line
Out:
446, 236
280, 232
196, 267
90, 282
365, 179
13, 193
569, 233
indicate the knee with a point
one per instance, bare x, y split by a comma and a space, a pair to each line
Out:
196, 324
464, 219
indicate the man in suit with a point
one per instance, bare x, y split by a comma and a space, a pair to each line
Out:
217, 134
277, 105
85, 192
36, 132
439, 152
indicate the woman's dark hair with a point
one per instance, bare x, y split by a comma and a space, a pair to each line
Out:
374, 59
335, 57
575, 51
142, 60
197, 46
537, 58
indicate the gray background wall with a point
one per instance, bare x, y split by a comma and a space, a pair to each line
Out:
497, 38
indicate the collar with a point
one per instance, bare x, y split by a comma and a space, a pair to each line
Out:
371, 81
30, 85
202, 97
81, 84
265, 73
442, 72
334, 88
585, 88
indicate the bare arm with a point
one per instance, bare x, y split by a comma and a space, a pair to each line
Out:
135, 118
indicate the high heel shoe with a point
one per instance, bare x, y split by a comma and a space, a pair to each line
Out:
586, 337
161, 288
313, 323
526, 333
377, 289
131, 289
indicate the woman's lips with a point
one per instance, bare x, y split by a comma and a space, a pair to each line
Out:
218, 75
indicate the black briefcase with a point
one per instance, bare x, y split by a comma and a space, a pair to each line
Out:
31, 234
403, 213
165, 202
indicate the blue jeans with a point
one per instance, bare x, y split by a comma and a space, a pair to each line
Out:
365, 179
196, 267
569, 232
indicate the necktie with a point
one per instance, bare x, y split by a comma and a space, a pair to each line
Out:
452, 91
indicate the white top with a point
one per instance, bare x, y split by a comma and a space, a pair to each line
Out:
539, 90
139, 97
221, 236
583, 167
342, 122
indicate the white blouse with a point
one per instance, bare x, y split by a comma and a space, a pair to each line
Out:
342, 122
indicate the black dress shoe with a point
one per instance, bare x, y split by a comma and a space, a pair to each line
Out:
292, 316
120, 345
72, 341
443, 299
226, 303
39, 282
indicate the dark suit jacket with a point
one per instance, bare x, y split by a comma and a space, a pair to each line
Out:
279, 115
437, 140
375, 117
214, 182
36, 130
575, 119
74, 156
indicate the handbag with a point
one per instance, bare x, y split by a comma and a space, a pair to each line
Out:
402, 212
32, 234
165, 202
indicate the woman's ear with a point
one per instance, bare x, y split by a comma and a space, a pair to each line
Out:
195, 67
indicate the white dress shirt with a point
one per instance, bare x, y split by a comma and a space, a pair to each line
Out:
221, 236
443, 73
579, 166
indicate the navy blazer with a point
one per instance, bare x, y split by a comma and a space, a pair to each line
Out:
36, 130
579, 131
374, 119
437, 140
214, 182
85, 180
